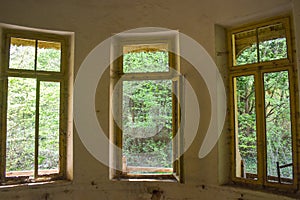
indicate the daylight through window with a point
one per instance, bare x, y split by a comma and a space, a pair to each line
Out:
263, 109
146, 98
33, 118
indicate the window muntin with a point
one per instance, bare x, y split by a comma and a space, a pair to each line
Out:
34, 121
272, 121
149, 113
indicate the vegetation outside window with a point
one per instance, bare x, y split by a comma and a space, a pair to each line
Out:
33, 107
145, 102
263, 104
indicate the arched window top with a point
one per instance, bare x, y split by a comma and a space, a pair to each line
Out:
263, 43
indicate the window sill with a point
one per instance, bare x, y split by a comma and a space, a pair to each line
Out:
35, 185
254, 188
146, 178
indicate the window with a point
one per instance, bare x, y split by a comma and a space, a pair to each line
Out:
263, 104
34, 107
145, 114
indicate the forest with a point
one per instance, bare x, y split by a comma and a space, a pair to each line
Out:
147, 112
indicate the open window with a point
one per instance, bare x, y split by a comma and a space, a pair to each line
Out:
263, 105
145, 111
34, 107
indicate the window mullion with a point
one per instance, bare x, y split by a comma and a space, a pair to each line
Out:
35, 55
37, 112
261, 137
62, 128
119, 130
293, 105
3, 108
175, 131
257, 46
37, 116
178, 124
3, 130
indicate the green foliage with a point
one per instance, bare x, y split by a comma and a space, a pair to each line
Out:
145, 62
48, 59
22, 57
22, 112
247, 121
49, 125
20, 124
247, 56
273, 49
268, 50
278, 126
147, 112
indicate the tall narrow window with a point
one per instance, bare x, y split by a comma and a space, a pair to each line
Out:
33, 119
146, 112
263, 109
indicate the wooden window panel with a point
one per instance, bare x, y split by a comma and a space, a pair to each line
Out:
55, 44
129, 172
267, 31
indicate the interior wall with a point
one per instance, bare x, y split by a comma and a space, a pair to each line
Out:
221, 59
92, 21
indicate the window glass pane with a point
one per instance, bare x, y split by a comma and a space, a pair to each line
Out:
48, 56
48, 156
272, 42
245, 127
278, 126
244, 48
22, 53
147, 126
145, 58
20, 126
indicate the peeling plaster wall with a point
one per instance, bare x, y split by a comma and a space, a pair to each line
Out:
93, 21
